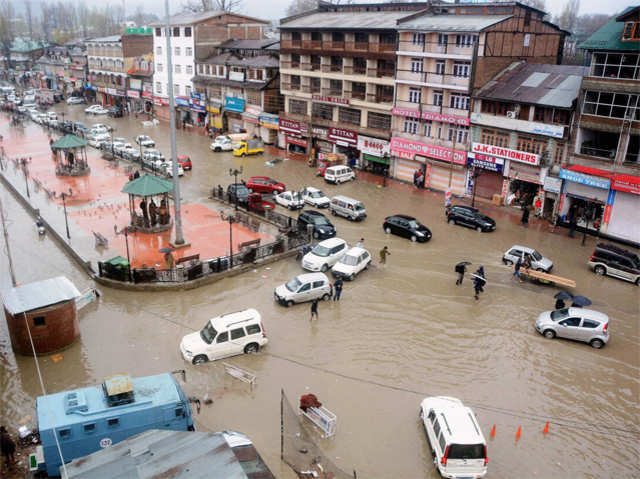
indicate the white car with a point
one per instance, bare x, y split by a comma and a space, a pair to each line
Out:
41, 118
95, 110
52, 115
222, 143
289, 199
167, 169
75, 100
22, 109
538, 262
354, 260
145, 141
324, 255
304, 287
120, 147
102, 126
150, 156
224, 336
99, 139
314, 197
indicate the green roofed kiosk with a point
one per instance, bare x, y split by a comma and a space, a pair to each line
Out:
151, 215
70, 153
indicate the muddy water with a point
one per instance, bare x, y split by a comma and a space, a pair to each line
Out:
401, 332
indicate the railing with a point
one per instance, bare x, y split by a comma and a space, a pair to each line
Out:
435, 47
374, 98
296, 43
315, 88
355, 70
381, 72
418, 106
632, 159
333, 45
432, 77
355, 95
608, 153
382, 47
311, 44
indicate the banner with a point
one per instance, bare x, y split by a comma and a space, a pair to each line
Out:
486, 163
373, 146
234, 104
594, 181
428, 115
408, 149
343, 137
506, 153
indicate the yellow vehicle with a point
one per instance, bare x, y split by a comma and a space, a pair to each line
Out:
249, 147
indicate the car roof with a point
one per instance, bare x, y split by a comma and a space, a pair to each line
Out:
523, 248
589, 314
460, 424
345, 198
224, 320
335, 167
332, 242
406, 217
355, 251
303, 278
465, 207
312, 188
312, 213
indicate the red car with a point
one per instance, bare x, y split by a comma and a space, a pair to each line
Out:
256, 203
185, 162
264, 184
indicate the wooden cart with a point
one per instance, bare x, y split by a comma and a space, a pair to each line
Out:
546, 278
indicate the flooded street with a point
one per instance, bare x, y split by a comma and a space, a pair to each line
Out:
402, 331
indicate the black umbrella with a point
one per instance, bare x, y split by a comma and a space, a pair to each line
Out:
581, 301
165, 250
564, 295
463, 263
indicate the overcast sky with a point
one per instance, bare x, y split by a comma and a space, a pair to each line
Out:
275, 9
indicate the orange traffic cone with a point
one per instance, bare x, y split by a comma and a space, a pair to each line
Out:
519, 432
493, 431
546, 428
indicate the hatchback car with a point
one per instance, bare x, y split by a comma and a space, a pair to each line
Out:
75, 100
407, 227
290, 199
222, 143
152, 155
314, 197
578, 324
185, 162
166, 169
538, 262
304, 287
238, 192
470, 217
324, 255
145, 141
322, 227
96, 110
354, 260
264, 184
615, 261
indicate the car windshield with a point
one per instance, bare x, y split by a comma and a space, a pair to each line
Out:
293, 285
223, 139
537, 256
144, 138
208, 333
349, 260
242, 190
414, 224
359, 207
316, 194
466, 451
320, 221
559, 314
321, 250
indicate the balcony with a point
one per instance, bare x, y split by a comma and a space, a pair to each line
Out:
331, 92
355, 70
296, 43
418, 106
311, 44
355, 95
310, 66
305, 89
315, 88
331, 68
381, 72
374, 98
433, 79
382, 47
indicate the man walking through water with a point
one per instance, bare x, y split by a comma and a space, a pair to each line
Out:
314, 309
478, 282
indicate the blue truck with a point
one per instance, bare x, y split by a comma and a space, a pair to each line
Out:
88, 419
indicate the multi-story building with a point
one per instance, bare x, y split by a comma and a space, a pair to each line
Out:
520, 127
137, 46
78, 68
193, 35
54, 68
444, 54
602, 175
241, 88
337, 67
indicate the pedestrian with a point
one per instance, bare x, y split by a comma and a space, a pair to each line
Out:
8, 447
384, 252
559, 304
538, 206
360, 243
337, 286
478, 282
314, 309
572, 220
525, 216
461, 269
526, 264
516, 269
415, 178
136, 175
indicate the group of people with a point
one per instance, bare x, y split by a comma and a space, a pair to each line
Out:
152, 214
418, 178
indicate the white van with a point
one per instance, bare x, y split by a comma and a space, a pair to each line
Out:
457, 445
223, 336
339, 174
347, 207
304, 287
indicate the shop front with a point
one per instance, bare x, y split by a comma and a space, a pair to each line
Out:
622, 215
147, 97
214, 109
345, 142
375, 155
485, 178
321, 143
251, 122
135, 102
198, 107
183, 111
552, 187
232, 115
268, 128
584, 199
294, 134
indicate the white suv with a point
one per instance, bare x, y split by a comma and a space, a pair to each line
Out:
457, 445
223, 336
324, 255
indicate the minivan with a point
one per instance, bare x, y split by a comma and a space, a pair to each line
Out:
304, 287
615, 261
347, 207
339, 174
223, 336
457, 445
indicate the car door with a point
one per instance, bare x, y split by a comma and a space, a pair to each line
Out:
569, 328
220, 347
625, 269
403, 228
303, 294
514, 255
337, 252
316, 289
237, 340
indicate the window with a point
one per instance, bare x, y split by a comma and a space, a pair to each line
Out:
442, 39
200, 69
315, 36
187, 90
335, 87
418, 39
612, 105
530, 145
322, 111
177, 68
297, 107
221, 70
113, 422
188, 51
176, 31
158, 87
379, 121
38, 321
410, 125
295, 36
461, 69
222, 337
318, 284
89, 428
587, 323
158, 32
415, 95
458, 134
559, 154
361, 37
259, 74
496, 138
388, 38
208, 69
437, 98
179, 412
527, 18
176, 89
189, 70
428, 124
305, 287
436, 428
459, 102
295, 82
254, 97
158, 50
570, 322
295, 60
349, 115
442, 443
316, 85
64, 433
253, 329
465, 40
159, 67
176, 51
615, 65
440, 66
416, 65
187, 31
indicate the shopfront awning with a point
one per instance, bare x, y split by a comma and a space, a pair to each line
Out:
376, 159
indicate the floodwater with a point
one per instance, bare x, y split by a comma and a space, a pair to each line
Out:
401, 332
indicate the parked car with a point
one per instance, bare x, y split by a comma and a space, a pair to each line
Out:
145, 141
102, 126
167, 169
41, 118
66, 126
339, 174
249, 147
407, 227
264, 184
238, 192
256, 203
224, 336
95, 110
185, 162
52, 115
314, 197
538, 262
22, 109
470, 217
152, 155
304, 287
99, 139
578, 324
80, 128
458, 448
115, 112
615, 261
222, 143
324, 255
322, 227
75, 100
131, 153
347, 207
290, 199
119, 148
354, 260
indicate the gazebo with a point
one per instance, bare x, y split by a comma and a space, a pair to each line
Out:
151, 217
71, 156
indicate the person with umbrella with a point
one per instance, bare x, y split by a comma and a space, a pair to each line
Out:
461, 269
169, 260
479, 282
580, 301
560, 297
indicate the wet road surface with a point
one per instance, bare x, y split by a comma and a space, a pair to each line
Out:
401, 332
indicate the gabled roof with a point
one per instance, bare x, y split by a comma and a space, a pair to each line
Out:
109, 39
26, 45
189, 18
450, 23
345, 20
628, 13
609, 36
68, 142
21, 299
260, 44
148, 185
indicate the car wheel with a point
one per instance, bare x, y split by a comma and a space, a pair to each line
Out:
243, 155
350, 277
549, 334
333, 212
367, 265
414, 238
251, 348
200, 359
316, 235
450, 220
218, 150
638, 281
596, 343
479, 229
324, 268
508, 262
326, 297
289, 303
541, 270
600, 270
387, 230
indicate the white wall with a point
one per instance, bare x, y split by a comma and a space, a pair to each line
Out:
183, 79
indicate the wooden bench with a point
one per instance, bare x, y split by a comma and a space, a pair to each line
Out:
547, 278
186, 259
249, 244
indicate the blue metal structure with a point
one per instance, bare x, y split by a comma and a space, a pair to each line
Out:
93, 418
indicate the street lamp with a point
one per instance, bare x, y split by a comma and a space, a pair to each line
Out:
66, 221
231, 219
235, 172
26, 177
125, 232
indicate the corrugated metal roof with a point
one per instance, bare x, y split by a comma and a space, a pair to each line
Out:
112, 38
159, 454
249, 44
609, 36
538, 84
451, 23
189, 18
39, 295
347, 20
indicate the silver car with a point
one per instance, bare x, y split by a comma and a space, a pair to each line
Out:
578, 324
538, 262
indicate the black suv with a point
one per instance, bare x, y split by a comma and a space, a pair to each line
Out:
115, 112
407, 226
239, 191
615, 261
471, 217
322, 227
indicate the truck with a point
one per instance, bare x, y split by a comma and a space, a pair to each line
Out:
249, 147
85, 420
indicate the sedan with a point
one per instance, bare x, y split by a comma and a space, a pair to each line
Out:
96, 110
75, 100
321, 227
406, 226
470, 217
355, 260
289, 199
578, 324
145, 141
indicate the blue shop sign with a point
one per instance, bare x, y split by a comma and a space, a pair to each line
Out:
181, 101
486, 163
234, 104
589, 180
270, 119
196, 96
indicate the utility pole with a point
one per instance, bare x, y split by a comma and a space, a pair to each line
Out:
6, 242
179, 239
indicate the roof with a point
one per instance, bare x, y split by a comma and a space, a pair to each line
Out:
451, 23
249, 44
147, 185
26, 45
460, 420
250, 85
176, 454
535, 83
69, 141
111, 38
266, 60
608, 37
225, 320
21, 299
189, 18
628, 13
345, 21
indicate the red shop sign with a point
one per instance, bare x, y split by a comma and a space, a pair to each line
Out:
628, 183
340, 136
296, 141
428, 115
408, 149
330, 99
292, 126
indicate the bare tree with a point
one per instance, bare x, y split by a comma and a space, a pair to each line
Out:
568, 18
300, 6
83, 19
29, 18
216, 5
539, 4
6, 31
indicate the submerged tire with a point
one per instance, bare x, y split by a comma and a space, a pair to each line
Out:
200, 359
549, 334
251, 348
